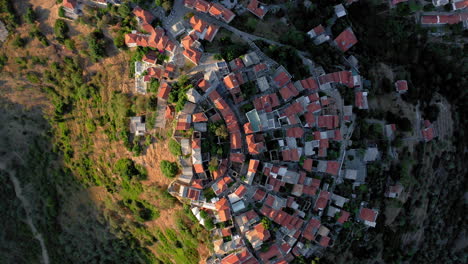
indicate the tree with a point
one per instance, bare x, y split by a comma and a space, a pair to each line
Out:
18, 42
60, 30
30, 15
169, 169
124, 10
221, 131
127, 169
96, 45
61, 11
266, 223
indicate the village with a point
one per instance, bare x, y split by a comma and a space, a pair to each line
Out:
267, 161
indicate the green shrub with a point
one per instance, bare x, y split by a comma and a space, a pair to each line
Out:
60, 30
127, 169
96, 45
175, 148
30, 15
18, 42
169, 169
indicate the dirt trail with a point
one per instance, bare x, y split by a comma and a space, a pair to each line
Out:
27, 208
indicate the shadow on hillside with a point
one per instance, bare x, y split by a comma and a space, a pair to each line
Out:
63, 211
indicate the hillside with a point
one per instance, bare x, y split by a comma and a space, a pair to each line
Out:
65, 98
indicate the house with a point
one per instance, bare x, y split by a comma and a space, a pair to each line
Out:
100, 2
361, 100
340, 11
220, 12
440, 2
346, 40
70, 6
257, 235
459, 4
250, 58
241, 257
427, 131
394, 191
371, 154
401, 86
143, 16
390, 130
137, 126
193, 55
252, 170
318, 35
223, 211
164, 90
368, 216
257, 9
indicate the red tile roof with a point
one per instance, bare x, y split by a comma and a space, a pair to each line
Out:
319, 30
164, 90
314, 107
260, 67
282, 79
253, 165
216, 10
256, 9
266, 102
193, 194
309, 84
368, 214
295, 132
71, 4
308, 165
204, 85
288, 91
346, 40
145, 16
273, 252
199, 117
333, 167
196, 143
428, 133
193, 55
248, 128
240, 191
401, 85
238, 64
429, 19
236, 142
211, 32
322, 200
202, 6
311, 229
324, 241
231, 81
198, 24
343, 217
198, 168
189, 3
328, 121
237, 157
259, 195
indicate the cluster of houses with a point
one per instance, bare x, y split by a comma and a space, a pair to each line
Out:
271, 197
73, 8
344, 41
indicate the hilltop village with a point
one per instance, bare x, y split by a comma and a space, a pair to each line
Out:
267, 162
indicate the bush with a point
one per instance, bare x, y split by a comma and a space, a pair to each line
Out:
3, 60
30, 15
60, 30
169, 169
61, 11
18, 42
96, 45
175, 148
127, 169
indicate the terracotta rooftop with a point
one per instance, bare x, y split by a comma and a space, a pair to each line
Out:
346, 40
